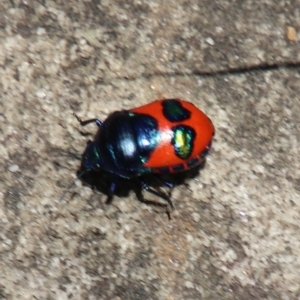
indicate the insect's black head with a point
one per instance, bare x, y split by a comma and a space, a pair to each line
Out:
91, 157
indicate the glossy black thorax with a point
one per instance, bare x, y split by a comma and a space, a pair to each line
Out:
123, 144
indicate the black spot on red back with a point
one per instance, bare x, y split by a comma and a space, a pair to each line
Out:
174, 111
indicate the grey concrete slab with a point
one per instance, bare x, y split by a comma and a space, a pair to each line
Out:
235, 231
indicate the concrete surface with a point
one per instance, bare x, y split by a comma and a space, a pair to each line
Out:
235, 233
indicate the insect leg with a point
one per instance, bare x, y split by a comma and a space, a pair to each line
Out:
112, 189
158, 194
83, 123
165, 182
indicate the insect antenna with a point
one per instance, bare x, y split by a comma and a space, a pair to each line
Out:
72, 184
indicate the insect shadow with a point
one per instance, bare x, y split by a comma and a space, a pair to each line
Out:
157, 193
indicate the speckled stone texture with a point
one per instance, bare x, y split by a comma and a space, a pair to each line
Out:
235, 232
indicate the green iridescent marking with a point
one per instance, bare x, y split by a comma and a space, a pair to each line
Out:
183, 140
174, 111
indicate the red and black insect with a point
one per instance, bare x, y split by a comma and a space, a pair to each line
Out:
163, 137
